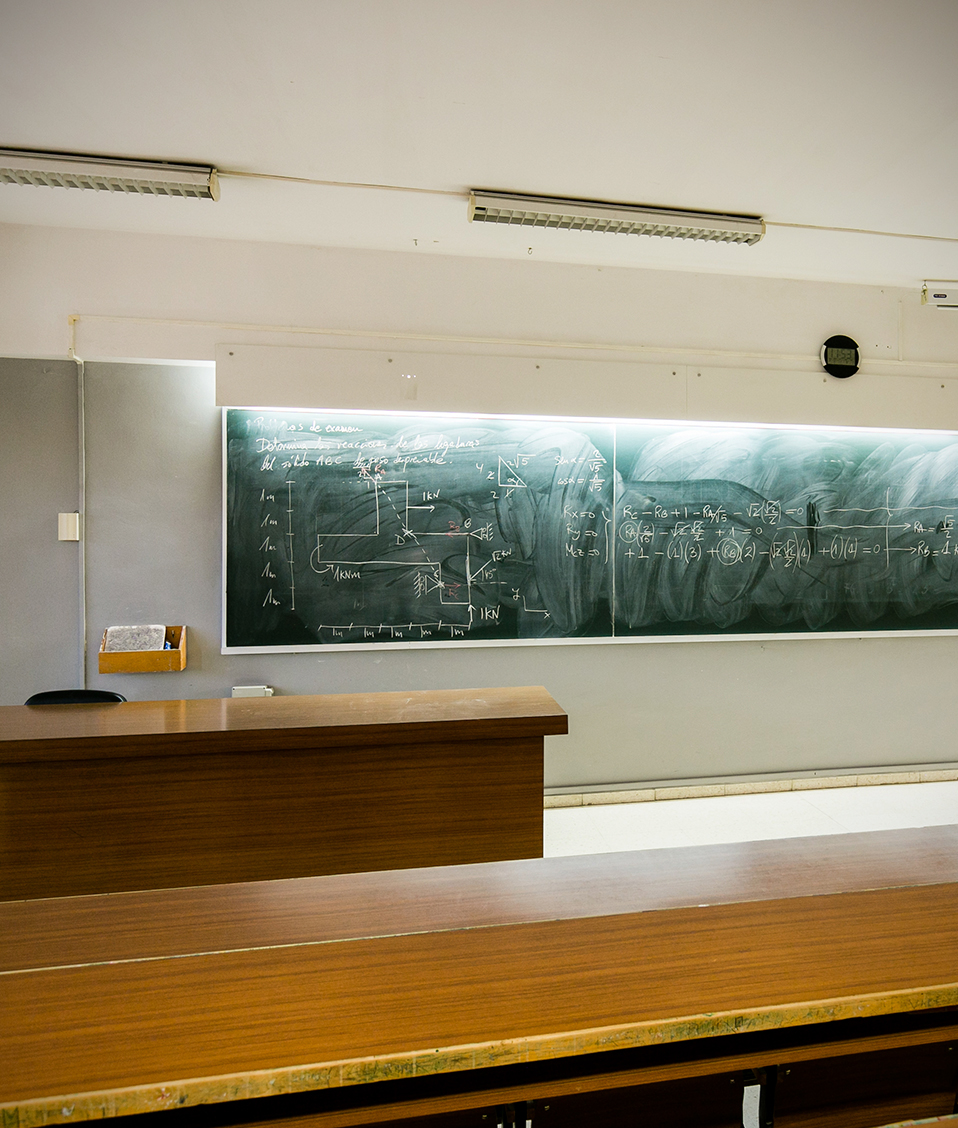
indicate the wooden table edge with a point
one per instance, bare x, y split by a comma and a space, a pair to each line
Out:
279, 739
180, 1093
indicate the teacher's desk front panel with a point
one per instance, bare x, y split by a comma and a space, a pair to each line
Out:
160, 794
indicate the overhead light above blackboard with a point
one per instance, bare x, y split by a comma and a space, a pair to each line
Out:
617, 219
107, 174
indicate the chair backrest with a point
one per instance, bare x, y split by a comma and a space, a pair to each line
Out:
73, 697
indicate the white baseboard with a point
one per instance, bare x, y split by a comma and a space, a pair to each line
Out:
749, 787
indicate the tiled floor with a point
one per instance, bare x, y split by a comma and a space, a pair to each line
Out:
744, 818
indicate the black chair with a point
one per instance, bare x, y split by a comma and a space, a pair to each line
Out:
73, 697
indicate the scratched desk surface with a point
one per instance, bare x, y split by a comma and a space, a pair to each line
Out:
279, 986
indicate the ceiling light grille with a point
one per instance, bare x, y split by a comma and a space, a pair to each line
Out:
618, 219
106, 174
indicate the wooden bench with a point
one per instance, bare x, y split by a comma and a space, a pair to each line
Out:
566, 990
155, 794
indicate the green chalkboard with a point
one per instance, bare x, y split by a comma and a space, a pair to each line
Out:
357, 530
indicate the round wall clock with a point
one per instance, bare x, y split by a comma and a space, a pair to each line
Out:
840, 357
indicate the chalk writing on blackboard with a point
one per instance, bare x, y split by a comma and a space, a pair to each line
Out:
348, 529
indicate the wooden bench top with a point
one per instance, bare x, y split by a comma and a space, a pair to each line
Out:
315, 910
139, 1001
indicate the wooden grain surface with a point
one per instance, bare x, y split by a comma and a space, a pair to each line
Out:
378, 1006
56, 732
169, 1020
151, 822
157, 794
207, 919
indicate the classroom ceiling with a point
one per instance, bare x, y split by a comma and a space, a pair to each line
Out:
836, 120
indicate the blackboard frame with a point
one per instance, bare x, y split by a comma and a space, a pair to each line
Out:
839, 451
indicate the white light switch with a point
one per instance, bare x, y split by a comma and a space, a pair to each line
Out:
68, 526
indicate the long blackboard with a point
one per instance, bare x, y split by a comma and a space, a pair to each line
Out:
348, 529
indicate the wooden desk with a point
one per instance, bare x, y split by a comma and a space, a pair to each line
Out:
155, 794
365, 998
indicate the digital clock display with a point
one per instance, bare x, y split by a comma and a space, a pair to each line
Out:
840, 356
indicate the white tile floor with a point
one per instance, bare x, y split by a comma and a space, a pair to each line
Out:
745, 818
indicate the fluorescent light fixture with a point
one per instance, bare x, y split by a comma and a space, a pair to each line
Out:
619, 219
108, 174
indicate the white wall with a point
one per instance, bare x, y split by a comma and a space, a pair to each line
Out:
49, 274
642, 712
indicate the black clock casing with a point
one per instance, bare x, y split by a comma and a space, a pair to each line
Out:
840, 356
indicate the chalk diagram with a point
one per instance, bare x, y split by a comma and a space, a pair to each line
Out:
426, 575
376, 529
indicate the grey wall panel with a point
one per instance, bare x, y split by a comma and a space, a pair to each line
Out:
39, 592
638, 711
